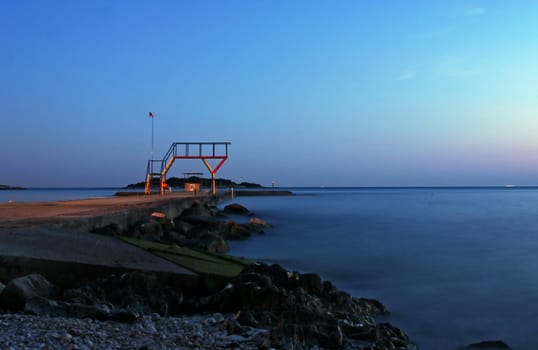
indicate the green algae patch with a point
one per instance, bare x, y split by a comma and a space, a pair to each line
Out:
203, 263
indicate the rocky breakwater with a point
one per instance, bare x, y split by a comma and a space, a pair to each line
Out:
265, 306
302, 312
201, 226
262, 307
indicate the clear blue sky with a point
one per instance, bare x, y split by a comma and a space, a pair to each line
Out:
314, 93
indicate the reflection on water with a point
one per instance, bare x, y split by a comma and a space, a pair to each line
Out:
454, 266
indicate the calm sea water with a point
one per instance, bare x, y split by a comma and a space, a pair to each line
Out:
454, 266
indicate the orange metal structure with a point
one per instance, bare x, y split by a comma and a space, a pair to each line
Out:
205, 151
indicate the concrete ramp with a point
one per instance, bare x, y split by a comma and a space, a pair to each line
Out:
67, 257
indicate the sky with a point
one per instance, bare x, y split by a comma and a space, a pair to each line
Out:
309, 93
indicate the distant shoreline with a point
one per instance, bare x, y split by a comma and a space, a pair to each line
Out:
5, 187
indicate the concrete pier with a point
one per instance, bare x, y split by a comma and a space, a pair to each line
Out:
52, 238
97, 210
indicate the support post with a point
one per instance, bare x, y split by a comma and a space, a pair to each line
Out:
162, 185
213, 184
147, 189
212, 172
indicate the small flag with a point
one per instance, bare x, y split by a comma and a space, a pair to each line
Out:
151, 115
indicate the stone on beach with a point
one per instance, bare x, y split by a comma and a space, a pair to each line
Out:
19, 290
149, 332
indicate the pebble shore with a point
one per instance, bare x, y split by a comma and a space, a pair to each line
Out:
150, 332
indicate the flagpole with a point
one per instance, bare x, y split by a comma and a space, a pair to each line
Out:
152, 116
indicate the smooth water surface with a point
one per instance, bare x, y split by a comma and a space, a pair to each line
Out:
454, 266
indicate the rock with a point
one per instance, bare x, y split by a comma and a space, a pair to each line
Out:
133, 291
372, 306
302, 311
151, 230
182, 227
208, 241
42, 306
232, 326
151, 227
19, 290
330, 336
237, 231
488, 345
236, 208
174, 238
108, 230
311, 283
201, 220
159, 215
198, 209
217, 244
246, 317
166, 224
259, 222
123, 316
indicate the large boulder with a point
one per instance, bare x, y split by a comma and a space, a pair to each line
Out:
218, 245
150, 229
182, 226
259, 222
234, 231
19, 290
199, 209
236, 208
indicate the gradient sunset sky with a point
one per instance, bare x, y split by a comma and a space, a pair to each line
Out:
310, 93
